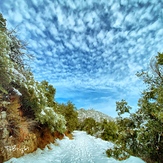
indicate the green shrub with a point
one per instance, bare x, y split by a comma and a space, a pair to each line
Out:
109, 130
117, 153
54, 121
38, 103
69, 112
88, 125
106, 130
141, 134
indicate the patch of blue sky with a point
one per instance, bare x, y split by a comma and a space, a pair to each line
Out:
84, 45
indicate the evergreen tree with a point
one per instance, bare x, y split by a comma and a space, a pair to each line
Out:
37, 98
151, 110
88, 125
4, 60
12, 66
71, 116
109, 130
141, 134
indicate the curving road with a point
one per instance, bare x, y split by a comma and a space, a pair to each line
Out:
82, 149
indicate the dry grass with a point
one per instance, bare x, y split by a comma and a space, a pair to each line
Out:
69, 135
44, 137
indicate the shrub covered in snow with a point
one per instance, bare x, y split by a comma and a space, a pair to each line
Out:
4, 60
54, 121
12, 66
37, 98
38, 103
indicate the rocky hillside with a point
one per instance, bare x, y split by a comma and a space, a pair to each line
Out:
91, 113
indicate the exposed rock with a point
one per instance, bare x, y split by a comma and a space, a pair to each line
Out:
91, 113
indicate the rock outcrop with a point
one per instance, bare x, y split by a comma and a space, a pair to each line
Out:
91, 113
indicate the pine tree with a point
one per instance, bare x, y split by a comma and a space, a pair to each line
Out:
141, 133
69, 112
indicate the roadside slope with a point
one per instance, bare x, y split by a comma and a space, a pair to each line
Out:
82, 149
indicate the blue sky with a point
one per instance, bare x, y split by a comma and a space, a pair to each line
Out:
89, 50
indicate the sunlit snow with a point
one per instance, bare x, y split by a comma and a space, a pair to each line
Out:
82, 149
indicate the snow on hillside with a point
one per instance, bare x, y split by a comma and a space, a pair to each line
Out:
82, 149
91, 113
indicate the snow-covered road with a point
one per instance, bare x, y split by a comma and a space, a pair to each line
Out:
82, 149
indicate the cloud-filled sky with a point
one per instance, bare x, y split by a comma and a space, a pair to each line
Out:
89, 50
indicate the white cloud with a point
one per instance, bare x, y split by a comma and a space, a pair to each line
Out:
119, 20
91, 44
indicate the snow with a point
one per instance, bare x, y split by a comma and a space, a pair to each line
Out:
17, 74
42, 112
17, 92
82, 149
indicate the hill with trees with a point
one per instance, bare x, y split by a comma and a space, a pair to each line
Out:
29, 115
97, 124
91, 113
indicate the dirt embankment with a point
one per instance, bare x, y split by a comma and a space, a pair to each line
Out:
19, 135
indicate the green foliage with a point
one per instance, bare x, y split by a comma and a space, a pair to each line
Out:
106, 130
4, 60
2, 23
141, 134
49, 91
109, 129
3, 37
122, 107
128, 133
159, 58
117, 153
151, 110
54, 121
71, 116
89, 125
38, 103
37, 98
12, 67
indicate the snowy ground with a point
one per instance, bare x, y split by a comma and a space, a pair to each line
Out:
82, 149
